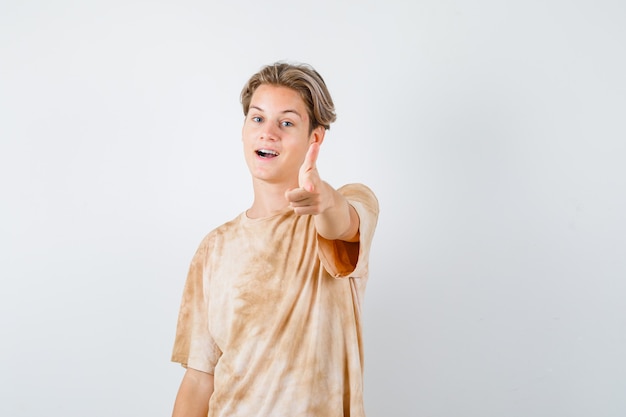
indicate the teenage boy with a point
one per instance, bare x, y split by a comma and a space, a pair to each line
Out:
270, 321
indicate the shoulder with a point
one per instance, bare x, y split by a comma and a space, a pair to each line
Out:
360, 193
227, 227
219, 233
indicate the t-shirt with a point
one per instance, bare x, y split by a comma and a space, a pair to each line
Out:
273, 311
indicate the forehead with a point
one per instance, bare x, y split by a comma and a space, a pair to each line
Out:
277, 98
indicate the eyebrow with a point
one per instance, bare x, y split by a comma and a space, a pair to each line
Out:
283, 112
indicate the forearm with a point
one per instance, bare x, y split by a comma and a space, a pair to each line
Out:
339, 221
193, 395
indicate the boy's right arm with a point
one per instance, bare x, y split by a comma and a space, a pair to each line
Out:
193, 395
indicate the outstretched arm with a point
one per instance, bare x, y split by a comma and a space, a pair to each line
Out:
335, 218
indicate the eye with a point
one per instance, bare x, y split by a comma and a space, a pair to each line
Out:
256, 119
287, 124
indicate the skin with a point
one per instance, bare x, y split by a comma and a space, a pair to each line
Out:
193, 395
278, 120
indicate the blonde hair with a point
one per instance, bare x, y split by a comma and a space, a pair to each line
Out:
301, 78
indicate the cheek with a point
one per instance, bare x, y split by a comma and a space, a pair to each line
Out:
247, 134
247, 126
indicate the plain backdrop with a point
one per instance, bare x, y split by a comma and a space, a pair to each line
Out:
493, 133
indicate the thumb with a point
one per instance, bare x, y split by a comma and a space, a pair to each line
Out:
311, 157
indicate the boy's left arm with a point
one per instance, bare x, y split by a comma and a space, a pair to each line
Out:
335, 218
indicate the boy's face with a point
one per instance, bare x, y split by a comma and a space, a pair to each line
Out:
276, 135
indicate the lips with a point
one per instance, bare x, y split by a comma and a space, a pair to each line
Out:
267, 153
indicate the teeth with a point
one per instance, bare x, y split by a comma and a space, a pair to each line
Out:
266, 152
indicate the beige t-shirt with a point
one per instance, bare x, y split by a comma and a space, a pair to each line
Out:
264, 312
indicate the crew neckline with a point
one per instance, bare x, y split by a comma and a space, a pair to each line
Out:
244, 216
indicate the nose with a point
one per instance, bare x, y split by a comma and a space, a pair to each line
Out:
270, 132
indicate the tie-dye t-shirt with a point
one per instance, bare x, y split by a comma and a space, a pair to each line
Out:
273, 311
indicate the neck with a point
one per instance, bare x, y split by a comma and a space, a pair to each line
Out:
269, 198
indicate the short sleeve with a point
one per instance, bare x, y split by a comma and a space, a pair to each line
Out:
194, 346
350, 259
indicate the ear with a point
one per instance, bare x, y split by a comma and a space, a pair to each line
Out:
317, 136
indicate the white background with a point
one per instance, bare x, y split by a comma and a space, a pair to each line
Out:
494, 134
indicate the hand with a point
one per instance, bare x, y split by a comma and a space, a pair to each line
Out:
311, 196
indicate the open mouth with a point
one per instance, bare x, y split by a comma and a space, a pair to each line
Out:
266, 153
